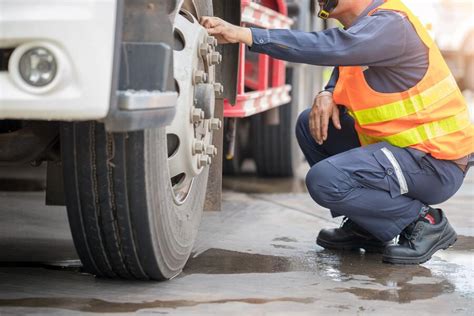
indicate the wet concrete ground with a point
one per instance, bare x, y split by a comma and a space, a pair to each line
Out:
256, 257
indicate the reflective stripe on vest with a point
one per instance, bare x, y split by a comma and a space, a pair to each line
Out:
411, 105
423, 132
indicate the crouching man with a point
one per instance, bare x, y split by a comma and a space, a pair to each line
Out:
388, 137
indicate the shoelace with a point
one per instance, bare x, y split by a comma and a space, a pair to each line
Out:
410, 234
346, 223
349, 225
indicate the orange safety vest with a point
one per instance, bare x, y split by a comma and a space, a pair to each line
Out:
432, 116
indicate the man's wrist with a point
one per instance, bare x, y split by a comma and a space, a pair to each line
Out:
325, 91
245, 36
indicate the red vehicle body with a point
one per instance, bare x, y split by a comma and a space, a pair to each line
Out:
261, 83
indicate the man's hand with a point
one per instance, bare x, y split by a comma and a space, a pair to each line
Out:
323, 109
225, 32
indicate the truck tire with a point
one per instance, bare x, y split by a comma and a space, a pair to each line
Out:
121, 207
232, 167
275, 148
135, 199
272, 146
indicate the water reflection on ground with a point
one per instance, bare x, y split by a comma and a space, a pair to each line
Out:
362, 274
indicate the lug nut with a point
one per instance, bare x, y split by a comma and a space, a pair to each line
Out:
204, 49
218, 88
211, 150
204, 160
197, 115
215, 58
200, 77
215, 124
211, 40
198, 147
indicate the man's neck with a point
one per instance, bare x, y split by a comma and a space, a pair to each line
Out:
349, 17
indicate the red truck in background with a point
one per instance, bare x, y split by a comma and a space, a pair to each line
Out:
125, 101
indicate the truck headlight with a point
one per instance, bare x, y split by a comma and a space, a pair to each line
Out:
38, 66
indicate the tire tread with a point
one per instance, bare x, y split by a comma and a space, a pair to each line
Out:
272, 148
97, 201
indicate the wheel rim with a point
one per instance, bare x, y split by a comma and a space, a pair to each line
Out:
189, 136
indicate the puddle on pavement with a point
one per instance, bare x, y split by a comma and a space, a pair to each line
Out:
63, 265
220, 261
362, 274
101, 306
357, 273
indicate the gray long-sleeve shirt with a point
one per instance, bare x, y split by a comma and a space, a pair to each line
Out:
386, 42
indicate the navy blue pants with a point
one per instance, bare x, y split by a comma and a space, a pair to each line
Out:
381, 187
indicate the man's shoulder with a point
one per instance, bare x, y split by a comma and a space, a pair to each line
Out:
389, 15
386, 20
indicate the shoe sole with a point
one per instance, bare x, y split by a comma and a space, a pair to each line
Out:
444, 244
349, 246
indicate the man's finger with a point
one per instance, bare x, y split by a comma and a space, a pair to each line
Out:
317, 126
209, 22
312, 120
317, 120
204, 21
324, 124
336, 121
218, 30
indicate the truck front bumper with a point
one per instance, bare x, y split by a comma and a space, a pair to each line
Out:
81, 35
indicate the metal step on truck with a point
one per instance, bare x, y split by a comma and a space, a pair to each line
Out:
133, 107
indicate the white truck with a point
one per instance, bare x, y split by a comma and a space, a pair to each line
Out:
123, 100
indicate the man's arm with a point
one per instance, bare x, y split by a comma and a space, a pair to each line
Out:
377, 40
225, 32
333, 80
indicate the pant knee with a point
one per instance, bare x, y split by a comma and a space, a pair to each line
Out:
327, 185
302, 125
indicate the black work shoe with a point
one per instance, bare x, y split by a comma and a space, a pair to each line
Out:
420, 240
350, 236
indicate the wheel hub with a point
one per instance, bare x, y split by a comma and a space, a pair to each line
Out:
190, 148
